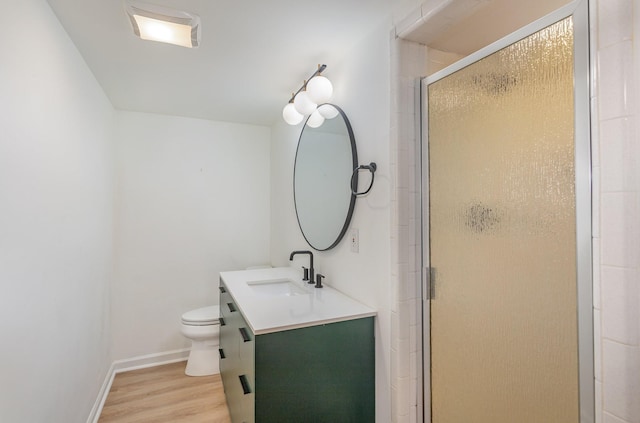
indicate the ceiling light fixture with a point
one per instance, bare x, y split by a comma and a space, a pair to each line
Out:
157, 23
317, 90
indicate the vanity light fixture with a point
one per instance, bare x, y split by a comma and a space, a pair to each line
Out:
157, 23
314, 91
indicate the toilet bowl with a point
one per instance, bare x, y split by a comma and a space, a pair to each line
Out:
202, 326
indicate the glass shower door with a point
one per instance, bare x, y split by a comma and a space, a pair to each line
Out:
502, 243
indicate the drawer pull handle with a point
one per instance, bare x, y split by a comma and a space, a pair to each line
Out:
245, 384
221, 351
222, 322
222, 289
245, 334
232, 307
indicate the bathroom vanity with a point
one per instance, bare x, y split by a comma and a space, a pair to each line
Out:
290, 352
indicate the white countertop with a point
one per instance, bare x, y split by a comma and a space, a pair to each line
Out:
311, 306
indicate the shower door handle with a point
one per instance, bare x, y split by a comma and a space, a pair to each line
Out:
429, 283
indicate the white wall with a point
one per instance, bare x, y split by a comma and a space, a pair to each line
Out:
55, 222
361, 88
193, 199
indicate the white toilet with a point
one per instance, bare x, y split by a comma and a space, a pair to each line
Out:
202, 326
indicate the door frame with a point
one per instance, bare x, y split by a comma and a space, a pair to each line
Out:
579, 9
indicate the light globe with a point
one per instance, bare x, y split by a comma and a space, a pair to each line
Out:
291, 115
328, 111
303, 104
319, 89
315, 119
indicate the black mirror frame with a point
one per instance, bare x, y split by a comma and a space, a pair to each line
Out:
353, 182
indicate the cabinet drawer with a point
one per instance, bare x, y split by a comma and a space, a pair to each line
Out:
240, 399
239, 389
223, 291
229, 343
246, 368
228, 307
225, 299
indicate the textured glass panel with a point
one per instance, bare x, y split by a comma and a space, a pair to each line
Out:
502, 235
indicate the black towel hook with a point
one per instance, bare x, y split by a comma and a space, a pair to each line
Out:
371, 167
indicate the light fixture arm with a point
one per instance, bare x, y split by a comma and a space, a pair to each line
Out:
321, 68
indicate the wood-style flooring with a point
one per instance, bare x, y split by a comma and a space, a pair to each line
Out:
165, 394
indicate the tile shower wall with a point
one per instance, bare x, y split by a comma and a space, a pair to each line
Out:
615, 66
615, 25
408, 61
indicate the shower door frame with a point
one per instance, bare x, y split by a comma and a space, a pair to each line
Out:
579, 10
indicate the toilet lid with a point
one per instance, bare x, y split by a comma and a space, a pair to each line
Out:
202, 316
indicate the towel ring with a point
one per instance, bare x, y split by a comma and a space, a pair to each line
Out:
371, 167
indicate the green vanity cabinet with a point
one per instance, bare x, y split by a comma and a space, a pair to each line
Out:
322, 373
236, 360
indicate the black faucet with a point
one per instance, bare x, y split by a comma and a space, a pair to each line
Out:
311, 271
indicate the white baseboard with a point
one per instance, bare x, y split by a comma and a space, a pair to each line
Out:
102, 395
135, 363
151, 360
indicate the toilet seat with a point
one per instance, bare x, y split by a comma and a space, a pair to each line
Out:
204, 316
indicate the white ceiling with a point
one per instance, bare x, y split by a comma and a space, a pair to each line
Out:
253, 55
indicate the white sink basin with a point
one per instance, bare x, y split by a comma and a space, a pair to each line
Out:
277, 288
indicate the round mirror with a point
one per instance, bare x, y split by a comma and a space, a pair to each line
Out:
325, 161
